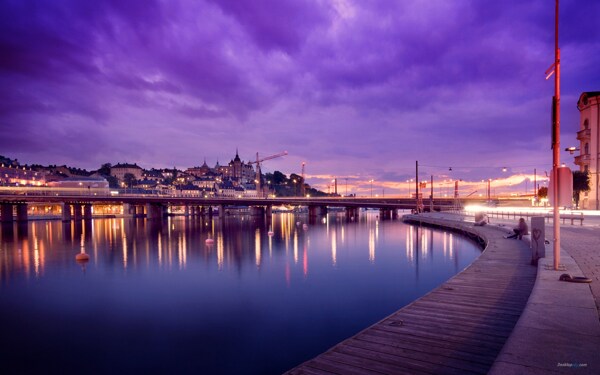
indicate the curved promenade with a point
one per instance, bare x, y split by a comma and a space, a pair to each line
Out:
459, 328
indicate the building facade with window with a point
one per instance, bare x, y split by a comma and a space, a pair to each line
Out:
589, 139
120, 170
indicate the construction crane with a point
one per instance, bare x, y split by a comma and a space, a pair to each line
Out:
303, 186
258, 174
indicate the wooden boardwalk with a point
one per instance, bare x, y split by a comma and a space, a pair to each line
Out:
458, 328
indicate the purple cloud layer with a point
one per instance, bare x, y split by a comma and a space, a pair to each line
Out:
357, 89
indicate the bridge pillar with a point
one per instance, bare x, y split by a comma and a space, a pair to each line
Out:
314, 211
77, 211
385, 213
221, 211
66, 211
186, 210
87, 211
269, 211
394, 213
22, 212
210, 211
6, 210
257, 211
154, 210
352, 213
128, 210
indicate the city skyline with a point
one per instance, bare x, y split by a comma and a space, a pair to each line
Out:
357, 90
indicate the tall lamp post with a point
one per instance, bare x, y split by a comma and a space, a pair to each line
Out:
371, 181
556, 140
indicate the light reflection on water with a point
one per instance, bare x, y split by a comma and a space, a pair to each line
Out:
154, 293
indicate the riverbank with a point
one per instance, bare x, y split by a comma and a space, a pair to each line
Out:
460, 327
557, 330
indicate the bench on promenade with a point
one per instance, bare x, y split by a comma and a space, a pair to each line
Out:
572, 217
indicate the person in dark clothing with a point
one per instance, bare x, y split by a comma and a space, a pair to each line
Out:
520, 230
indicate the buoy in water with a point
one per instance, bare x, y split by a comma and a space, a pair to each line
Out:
82, 257
209, 241
270, 233
304, 226
298, 223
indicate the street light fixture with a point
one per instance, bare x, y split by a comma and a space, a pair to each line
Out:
571, 149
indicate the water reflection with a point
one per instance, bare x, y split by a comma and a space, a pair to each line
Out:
285, 288
169, 243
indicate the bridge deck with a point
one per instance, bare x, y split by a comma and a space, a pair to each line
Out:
459, 328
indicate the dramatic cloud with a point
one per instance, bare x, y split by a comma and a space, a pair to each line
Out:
357, 89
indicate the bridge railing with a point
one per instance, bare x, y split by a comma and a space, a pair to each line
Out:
515, 215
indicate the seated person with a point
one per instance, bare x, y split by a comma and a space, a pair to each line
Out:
520, 230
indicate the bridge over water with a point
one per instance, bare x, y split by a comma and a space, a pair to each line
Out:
78, 204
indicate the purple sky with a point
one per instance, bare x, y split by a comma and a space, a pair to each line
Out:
358, 89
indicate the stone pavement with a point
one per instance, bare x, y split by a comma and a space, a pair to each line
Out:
583, 244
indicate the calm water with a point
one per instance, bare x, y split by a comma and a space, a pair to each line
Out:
154, 298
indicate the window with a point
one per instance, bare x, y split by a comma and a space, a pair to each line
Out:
586, 149
586, 124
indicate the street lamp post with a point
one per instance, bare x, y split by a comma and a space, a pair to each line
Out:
371, 181
346, 186
556, 143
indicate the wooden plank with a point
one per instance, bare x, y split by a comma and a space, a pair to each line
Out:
467, 308
474, 321
385, 362
433, 343
452, 337
426, 357
461, 322
412, 350
365, 365
324, 363
307, 370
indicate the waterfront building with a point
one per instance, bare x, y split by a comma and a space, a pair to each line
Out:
184, 178
81, 182
207, 181
589, 140
199, 171
153, 174
239, 171
147, 183
228, 189
12, 174
120, 170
